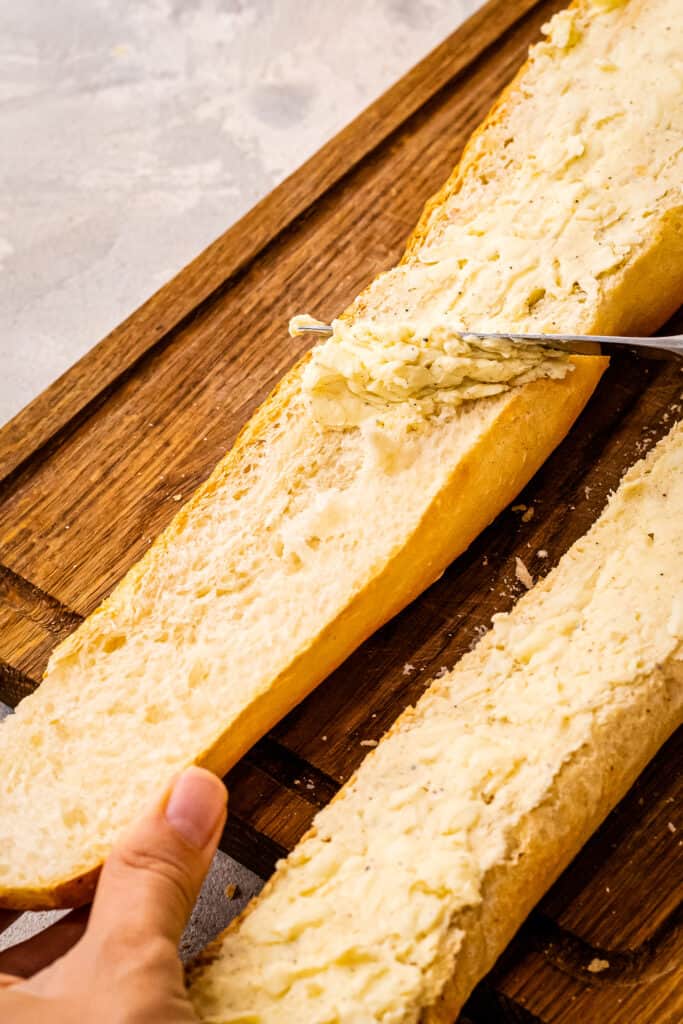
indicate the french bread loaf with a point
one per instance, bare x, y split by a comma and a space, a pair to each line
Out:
306, 539
412, 881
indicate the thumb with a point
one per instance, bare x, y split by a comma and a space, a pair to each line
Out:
152, 877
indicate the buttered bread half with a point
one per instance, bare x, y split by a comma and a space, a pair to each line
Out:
359, 480
551, 201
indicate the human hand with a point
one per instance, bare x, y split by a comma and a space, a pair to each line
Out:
120, 964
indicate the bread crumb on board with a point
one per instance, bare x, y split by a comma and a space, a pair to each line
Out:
597, 965
231, 891
408, 668
528, 512
671, 827
368, 743
523, 574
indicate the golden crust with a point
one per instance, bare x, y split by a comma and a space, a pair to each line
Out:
73, 892
548, 838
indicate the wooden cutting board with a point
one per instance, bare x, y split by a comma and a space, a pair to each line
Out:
97, 465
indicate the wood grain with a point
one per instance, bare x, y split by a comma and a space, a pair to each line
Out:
97, 465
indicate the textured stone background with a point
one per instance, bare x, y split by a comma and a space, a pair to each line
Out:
136, 131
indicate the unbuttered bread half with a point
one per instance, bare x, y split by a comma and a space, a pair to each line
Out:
565, 212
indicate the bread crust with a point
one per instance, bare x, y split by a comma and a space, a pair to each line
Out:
546, 840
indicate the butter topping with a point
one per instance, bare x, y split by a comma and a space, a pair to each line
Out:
369, 366
552, 206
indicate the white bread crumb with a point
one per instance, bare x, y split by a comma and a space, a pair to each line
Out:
523, 574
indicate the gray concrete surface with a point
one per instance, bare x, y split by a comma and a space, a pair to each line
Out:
136, 131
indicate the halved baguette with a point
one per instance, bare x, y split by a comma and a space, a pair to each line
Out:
305, 540
413, 880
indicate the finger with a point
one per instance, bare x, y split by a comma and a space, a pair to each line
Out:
20, 1008
152, 878
32, 955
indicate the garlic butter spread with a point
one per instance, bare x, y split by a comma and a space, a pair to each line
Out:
361, 923
368, 366
557, 197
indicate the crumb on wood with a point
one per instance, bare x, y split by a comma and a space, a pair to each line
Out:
408, 668
597, 965
324, 739
541, 553
518, 508
177, 497
231, 891
528, 515
523, 574
368, 743
671, 827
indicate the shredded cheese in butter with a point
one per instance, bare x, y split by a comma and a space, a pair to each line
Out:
369, 366
555, 203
